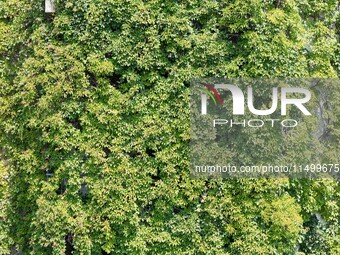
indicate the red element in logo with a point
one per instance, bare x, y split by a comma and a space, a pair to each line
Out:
211, 88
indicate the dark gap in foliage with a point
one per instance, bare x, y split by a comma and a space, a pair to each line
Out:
187, 84
84, 189
62, 187
72, 117
315, 237
279, 4
171, 57
115, 79
165, 74
156, 177
133, 154
104, 252
150, 152
326, 135
22, 211
234, 37
197, 24
49, 173
146, 210
49, 17
92, 79
14, 251
60, 37
285, 130
84, 157
3, 157
69, 244
177, 210
75, 123
227, 243
108, 55
107, 152
39, 89
218, 137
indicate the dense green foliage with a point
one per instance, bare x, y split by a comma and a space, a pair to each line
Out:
4, 235
94, 123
